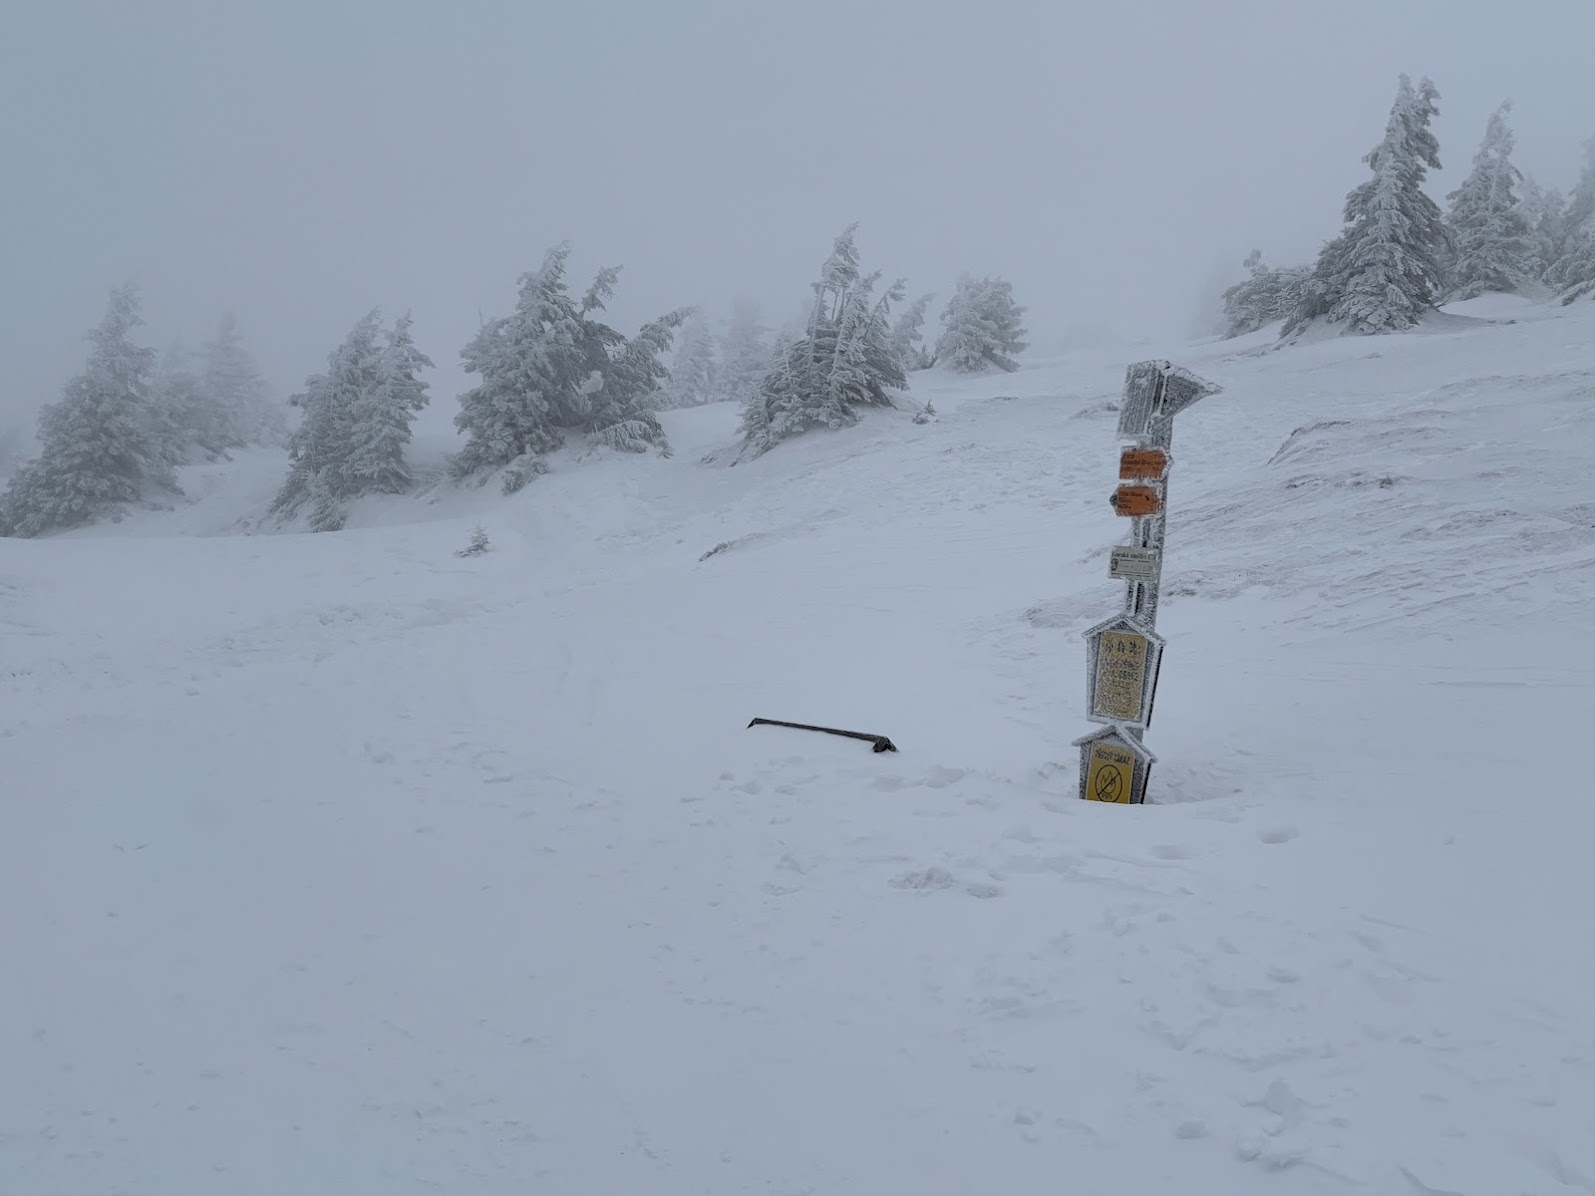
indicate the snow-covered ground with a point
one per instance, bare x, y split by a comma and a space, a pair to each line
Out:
337, 863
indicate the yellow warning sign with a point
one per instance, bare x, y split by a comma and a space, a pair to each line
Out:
1110, 775
1121, 676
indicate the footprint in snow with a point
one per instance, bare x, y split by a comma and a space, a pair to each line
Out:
937, 877
934, 877
1278, 834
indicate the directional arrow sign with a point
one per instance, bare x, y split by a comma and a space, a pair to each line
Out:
1136, 500
1138, 463
1154, 393
1181, 388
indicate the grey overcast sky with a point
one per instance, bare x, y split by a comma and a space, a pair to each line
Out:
300, 161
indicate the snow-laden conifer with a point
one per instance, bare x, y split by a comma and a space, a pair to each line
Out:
322, 449
551, 368
908, 336
1573, 273
381, 415
101, 445
1385, 270
1545, 212
1267, 294
694, 374
844, 361
745, 354
982, 327
1491, 247
239, 411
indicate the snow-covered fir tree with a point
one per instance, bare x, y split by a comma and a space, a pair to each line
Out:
623, 407
550, 368
844, 361
100, 444
745, 353
1384, 271
1581, 202
1545, 213
694, 375
11, 451
1491, 248
908, 336
982, 327
239, 412
344, 426
181, 405
530, 363
1573, 273
379, 422
1268, 294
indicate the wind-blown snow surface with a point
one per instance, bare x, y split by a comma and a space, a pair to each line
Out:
337, 863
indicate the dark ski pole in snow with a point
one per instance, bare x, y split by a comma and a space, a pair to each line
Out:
882, 744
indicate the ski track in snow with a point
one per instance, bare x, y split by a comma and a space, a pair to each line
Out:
338, 863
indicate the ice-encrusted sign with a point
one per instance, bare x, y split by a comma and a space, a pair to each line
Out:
1121, 674
1134, 564
1114, 767
1125, 653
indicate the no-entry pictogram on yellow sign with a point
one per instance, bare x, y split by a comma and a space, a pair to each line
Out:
1110, 777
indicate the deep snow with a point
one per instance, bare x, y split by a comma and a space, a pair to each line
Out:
337, 863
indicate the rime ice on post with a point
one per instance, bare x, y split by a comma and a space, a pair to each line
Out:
1125, 652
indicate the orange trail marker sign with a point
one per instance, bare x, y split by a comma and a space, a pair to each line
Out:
1137, 501
1136, 464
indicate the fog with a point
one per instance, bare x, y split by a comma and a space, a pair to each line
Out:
301, 161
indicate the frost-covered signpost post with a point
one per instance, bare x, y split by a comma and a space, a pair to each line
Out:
1125, 652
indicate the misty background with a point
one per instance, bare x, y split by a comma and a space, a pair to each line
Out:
301, 161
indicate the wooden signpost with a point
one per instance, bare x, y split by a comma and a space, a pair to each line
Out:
1124, 653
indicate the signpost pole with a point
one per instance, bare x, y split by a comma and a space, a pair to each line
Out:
1126, 653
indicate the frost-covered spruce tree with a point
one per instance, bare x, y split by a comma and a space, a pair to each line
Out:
240, 412
550, 368
381, 414
1491, 249
1581, 203
1267, 294
321, 449
908, 337
1545, 213
1573, 274
313, 450
10, 449
1384, 271
982, 327
99, 444
179, 398
530, 364
694, 375
844, 361
745, 355
622, 409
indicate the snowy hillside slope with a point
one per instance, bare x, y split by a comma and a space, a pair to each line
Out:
339, 863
